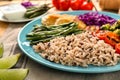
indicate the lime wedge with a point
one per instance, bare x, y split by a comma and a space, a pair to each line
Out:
8, 62
1, 49
13, 74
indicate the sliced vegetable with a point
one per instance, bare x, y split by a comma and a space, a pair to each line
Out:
27, 4
110, 41
13, 74
94, 18
101, 36
8, 62
105, 27
115, 26
117, 48
112, 38
109, 37
117, 31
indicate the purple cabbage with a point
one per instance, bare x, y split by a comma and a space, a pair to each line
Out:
27, 4
94, 18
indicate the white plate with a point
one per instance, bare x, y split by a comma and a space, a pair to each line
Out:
2, 18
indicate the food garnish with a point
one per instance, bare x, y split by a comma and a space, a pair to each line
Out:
13, 74
8, 62
27, 4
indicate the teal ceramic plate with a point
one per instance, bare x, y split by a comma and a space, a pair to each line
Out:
27, 49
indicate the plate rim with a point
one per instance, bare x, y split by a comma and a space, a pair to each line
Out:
57, 66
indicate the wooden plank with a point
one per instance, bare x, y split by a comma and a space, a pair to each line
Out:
3, 27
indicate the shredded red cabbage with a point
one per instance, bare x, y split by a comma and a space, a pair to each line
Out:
94, 18
27, 4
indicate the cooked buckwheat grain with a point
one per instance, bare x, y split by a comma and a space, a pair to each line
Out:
78, 50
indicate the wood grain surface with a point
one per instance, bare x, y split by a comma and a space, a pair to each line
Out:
3, 27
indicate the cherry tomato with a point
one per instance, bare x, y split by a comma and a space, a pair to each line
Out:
56, 4
61, 4
87, 6
117, 48
64, 4
76, 4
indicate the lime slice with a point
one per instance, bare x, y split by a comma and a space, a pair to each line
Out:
13, 74
1, 49
9, 61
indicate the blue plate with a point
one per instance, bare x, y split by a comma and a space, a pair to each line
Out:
27, 49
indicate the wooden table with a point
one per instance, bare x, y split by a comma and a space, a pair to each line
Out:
9, 32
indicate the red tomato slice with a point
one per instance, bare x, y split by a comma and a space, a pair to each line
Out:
117, 48
76, 4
